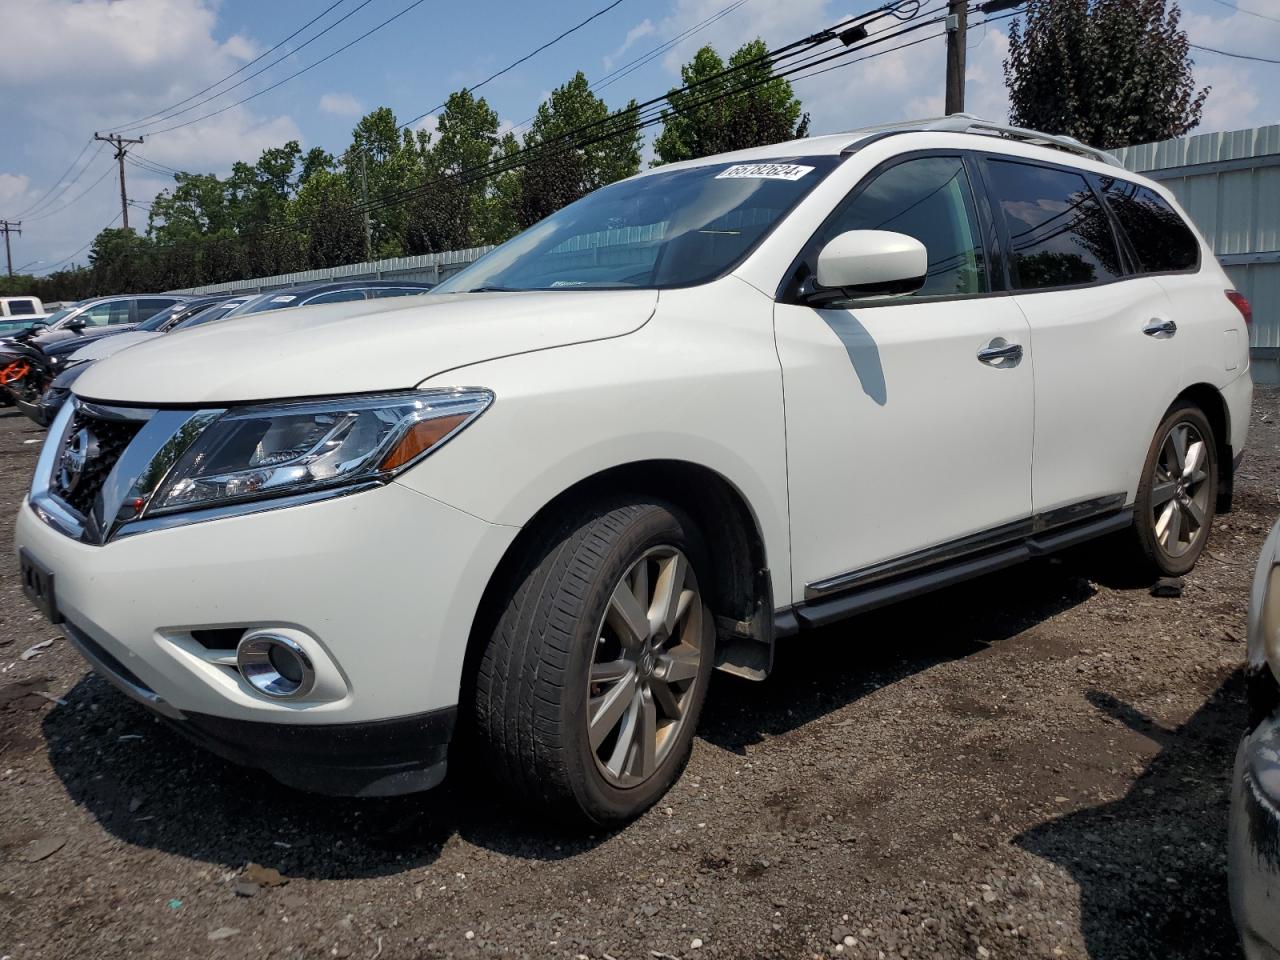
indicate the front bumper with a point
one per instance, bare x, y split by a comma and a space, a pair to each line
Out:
381, 586
1254, 847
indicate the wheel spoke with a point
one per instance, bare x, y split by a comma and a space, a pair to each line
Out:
1163, 521
627, 616
679, 663
666, 700
1163, 492
667, 593
1194, 513
1178, 437
1195, 460
1173, 528
626, 734
646, 737
610, 672
607, 709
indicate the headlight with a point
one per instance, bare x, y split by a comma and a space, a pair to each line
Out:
248, 453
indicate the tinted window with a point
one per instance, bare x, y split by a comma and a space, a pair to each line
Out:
102, 314
1161, 239
1059, 235
21, 307
208, 315
148, 307
379, 292
929, 199
338, 296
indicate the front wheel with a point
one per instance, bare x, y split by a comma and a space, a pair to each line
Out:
592, 680
1177, 497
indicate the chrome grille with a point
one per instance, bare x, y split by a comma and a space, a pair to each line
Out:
94, 445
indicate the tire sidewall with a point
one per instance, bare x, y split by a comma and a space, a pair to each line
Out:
602, 802
1165, 564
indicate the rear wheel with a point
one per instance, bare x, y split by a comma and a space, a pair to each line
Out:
1178, 494
590, 686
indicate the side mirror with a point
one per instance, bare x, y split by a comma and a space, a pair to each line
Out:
76, 326
869, 263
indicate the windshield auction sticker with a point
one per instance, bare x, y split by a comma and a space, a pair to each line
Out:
764, 171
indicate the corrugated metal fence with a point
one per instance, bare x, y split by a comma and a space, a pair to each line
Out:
1230, 184
428, 266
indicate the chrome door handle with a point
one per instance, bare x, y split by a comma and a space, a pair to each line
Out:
1001, 353
1160, 329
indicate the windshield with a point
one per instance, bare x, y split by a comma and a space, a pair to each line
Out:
56, 318
164, 316
275, 300
218, 311
663, 230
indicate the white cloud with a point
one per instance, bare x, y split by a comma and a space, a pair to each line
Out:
430, 123
102, 65
644, 28
12, 188
341, 105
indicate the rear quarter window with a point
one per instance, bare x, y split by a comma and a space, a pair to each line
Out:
1161, 239
20, 308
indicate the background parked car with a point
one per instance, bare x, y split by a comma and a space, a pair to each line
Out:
29, 307
24, 368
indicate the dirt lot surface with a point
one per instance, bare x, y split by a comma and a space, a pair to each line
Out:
1033, 765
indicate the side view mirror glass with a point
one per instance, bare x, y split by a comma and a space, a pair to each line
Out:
870, 263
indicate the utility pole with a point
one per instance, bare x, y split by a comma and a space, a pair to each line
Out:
118, 142
7, 228
364, 196
957, 26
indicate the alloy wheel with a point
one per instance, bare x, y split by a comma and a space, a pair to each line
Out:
645, 665
1180, 490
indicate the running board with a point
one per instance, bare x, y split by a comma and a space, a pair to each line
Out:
820, 611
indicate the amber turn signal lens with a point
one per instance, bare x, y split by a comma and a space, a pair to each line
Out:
422, 436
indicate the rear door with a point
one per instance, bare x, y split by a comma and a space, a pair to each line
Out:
1106, 365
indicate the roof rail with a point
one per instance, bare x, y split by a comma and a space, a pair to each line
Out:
968, 123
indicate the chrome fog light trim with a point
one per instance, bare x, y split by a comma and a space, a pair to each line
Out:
275, 666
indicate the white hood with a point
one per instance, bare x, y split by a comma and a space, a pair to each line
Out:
360, 347
106, 346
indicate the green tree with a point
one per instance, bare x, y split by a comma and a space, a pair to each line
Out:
1108, 72
325, 215
555, 174
747, 108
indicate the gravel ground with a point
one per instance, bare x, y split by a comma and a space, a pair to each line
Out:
1033, 765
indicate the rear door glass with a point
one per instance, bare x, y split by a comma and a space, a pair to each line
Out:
1058, 233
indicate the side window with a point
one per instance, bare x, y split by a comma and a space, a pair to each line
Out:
21, 307
337, 296
1059, 235
930, 199
148, 307
1161, 239
105, 314
378, 293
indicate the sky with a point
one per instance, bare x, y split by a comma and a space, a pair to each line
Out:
73, 67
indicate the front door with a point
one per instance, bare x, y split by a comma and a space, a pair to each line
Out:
909, 425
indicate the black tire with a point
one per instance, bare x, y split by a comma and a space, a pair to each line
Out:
1152, 555
531, 683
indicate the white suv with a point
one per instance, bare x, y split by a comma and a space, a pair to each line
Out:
688, 416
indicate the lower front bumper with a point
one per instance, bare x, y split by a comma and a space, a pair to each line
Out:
377, 758
1254, 848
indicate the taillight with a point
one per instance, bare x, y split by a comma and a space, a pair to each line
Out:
1241, 304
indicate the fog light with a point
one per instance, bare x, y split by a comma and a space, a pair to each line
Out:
275, 666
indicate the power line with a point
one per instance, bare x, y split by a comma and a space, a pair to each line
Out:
1252, 13
1228, 53
528, 56
311, 66
55, 193
256, 73
72, 202
321, 15
53, 266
